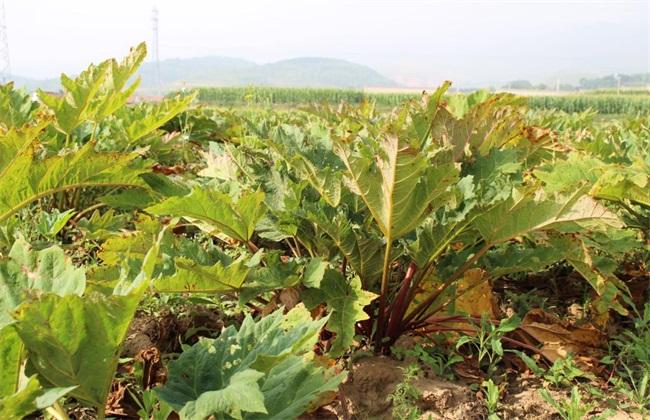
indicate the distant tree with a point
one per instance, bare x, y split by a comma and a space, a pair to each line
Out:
567, 87
611, 81
519, 84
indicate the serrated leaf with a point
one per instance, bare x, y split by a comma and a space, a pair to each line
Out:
50, 224
61, 336
219, 164
75, 106
27, 178
257, 349
191, 277
241, 395
143, 120
362, 249
345, 301
268, 347
101, 226
397, 183
293, 385
17, 108
44, 271
514, 218
14, 142
29, 399
218, 211
115, 92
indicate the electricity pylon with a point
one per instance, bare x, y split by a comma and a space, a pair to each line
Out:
5, 67
156, 58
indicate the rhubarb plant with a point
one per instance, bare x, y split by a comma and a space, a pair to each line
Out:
426, 193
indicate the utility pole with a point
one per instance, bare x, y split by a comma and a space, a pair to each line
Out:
156, 58
5, 67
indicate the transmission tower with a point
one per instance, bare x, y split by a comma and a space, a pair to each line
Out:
156, 58
5, 68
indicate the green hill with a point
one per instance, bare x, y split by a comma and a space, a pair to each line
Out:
297, 72
228, 71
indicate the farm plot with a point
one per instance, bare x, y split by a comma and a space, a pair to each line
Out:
457, 256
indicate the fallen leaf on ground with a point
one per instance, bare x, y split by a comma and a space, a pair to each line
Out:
558, 338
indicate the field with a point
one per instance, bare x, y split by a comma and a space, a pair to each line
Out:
369, 256
603, 102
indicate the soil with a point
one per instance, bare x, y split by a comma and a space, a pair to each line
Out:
373, 379
151, 338
365, 395
165, 331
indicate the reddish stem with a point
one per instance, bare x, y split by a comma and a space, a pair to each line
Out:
400, 304
422, 307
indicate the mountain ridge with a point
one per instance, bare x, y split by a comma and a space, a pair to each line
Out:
208, 71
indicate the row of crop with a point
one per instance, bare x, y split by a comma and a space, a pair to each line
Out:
271, 96
604, 104
237, 96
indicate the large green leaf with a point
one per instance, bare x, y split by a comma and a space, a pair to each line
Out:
48, 270
96, 93
434, 238
14, 142
313, 159
242, 394
17, 108
45, 271
217, 211
26, 179
363, 250
397, 181
76, 105
10, 361
115, 92
202, 377
615, 182
144, 119
600, 277
475, 124
273, 273
514, 218
30, 398
345, 301
191, 277
293, 386
74, 341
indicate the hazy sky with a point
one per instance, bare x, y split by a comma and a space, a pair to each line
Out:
415, 42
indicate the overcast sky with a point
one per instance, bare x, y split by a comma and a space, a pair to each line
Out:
414, 42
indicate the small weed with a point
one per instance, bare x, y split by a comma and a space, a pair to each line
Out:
487, 342
492, 397
572, 408
151, 407
564, 372
632, 362
439, 361
405, 396
636, 389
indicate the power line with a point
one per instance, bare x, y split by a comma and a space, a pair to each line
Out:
156, 58
5, 65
